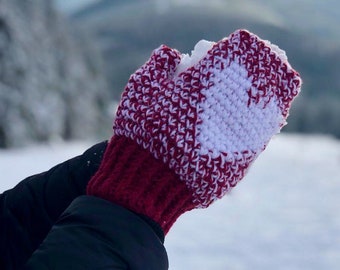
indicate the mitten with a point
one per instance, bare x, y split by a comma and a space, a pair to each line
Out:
188, 128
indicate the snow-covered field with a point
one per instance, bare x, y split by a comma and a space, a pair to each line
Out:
283, 215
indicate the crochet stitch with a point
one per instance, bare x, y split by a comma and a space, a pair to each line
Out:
209, 122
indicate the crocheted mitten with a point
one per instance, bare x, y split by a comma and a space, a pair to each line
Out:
185, 134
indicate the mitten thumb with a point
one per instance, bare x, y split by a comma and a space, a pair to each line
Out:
162, 63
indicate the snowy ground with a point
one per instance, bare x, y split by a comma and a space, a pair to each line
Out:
283, 215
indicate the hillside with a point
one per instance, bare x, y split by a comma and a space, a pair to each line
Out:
127, 32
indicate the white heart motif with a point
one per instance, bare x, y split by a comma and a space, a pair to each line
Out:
228, 124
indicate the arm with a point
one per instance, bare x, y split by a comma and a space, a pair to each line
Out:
28, 211
96, 234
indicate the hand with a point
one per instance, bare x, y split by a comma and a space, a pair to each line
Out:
199, 130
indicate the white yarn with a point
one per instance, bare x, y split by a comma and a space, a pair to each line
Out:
228, 124
215, 116
280, 53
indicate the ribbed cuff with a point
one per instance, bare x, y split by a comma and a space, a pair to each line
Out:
131, 177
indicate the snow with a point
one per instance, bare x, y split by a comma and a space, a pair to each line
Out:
200, 50
19, 163
203, 46
283, 215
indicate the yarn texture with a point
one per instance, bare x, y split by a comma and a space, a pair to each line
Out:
202, 125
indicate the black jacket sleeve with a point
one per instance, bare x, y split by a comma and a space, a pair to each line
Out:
96, 234
28, 211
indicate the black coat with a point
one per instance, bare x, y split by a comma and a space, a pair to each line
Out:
46, 222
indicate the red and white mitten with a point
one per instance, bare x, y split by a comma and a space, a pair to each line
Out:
188, 128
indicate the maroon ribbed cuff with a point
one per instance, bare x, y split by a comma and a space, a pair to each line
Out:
131, 177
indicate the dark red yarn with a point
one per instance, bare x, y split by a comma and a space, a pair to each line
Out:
131, 177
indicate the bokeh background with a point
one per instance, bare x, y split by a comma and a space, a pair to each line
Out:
64, 64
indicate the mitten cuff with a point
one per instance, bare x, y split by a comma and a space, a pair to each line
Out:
131, 177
